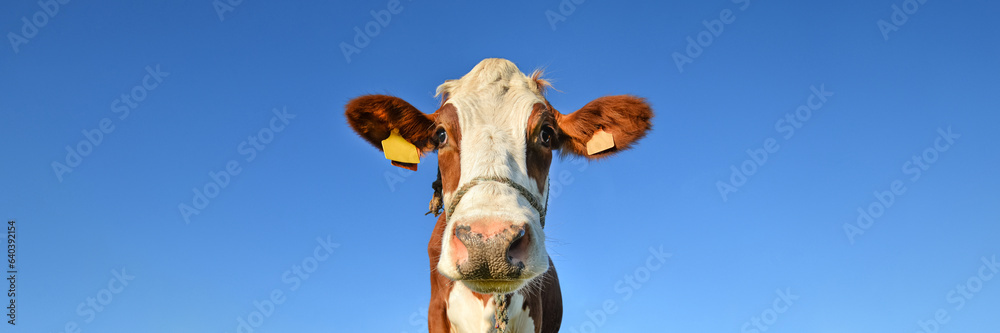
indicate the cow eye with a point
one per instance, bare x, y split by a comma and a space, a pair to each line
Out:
442, 136
545, 136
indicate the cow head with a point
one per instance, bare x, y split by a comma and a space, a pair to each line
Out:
494, 135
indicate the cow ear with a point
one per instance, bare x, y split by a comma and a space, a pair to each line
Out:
607, 125
376, 117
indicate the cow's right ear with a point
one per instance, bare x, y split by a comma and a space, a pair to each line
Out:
374, 117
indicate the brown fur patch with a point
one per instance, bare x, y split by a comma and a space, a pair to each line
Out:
626, 117
485, 298
537, 157
410, 166
449, 156
544, 304
437, 311
373, 117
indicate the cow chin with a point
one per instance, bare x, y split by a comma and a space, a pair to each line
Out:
494, 286
503, 285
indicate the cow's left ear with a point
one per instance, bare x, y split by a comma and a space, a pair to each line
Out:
608, 124
375, 117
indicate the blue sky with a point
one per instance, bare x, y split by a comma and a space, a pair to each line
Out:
222, 79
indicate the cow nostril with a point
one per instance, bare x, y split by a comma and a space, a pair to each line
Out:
516, 243
517, 251
464, 234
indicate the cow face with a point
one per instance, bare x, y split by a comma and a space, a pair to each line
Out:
494, 135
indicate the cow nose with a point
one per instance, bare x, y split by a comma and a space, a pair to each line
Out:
493, 250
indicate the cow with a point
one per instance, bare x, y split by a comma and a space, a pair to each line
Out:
494, 134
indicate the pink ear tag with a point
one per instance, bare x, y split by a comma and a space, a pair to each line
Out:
600, 142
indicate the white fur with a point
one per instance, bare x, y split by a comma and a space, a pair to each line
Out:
494, 101
468, 314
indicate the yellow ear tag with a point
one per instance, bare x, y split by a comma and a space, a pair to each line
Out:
398, 149
601, 141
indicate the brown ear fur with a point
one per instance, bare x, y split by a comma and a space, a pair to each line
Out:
374, 117
626, 117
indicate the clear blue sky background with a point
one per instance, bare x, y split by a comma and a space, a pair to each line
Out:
783, 229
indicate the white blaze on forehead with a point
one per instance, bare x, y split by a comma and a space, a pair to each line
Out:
493, 102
